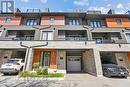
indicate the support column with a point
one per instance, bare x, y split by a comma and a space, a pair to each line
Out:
28, 59
98, 63
37, 35
3, 34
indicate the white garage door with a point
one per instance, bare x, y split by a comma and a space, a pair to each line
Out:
73, 63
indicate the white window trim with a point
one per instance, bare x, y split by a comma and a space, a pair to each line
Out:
127, 37
41, 35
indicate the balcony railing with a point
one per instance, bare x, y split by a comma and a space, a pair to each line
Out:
110, 41
18, 38
23, 38
76, 38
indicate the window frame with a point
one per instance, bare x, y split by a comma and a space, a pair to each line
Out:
52, 18
74, 22
31, 22
118, 21
7, 21
42, 59
46, 38
95, 23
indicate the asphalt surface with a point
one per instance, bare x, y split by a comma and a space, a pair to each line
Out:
71, 80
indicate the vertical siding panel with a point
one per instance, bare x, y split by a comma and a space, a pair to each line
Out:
129, 56
53, 64
16, 20
111, 22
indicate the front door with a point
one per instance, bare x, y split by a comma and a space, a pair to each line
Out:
45, 59
73, 63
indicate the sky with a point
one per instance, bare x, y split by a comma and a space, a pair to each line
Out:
120, 6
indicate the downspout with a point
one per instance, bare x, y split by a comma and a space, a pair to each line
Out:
89, 32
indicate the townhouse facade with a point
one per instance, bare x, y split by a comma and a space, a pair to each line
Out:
66, 41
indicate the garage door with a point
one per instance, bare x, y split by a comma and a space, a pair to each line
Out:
73, 63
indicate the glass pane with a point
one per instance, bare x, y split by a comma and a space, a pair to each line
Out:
31, 23
74, 22
44, 36
91, 24
128, 36
77, 22
50, 36
95, 24
0, 33
47, 58
70, 22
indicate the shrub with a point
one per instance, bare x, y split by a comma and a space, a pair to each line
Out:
36, 65
42, 71
24, 74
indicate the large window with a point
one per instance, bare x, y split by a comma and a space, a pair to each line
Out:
74, 22
95, 24
45, 59
47, 36
32, 22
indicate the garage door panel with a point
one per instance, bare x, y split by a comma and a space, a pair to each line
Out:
73, 63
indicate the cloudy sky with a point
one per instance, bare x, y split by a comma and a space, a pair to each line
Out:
120, 6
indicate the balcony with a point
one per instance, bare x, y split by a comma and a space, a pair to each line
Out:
72, 35
19, 35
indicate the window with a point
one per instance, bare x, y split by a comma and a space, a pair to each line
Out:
8, 19
32, 22
74, 22
45, 59
47, 36
0, 33
52, 19
128, 37
129, 19
118, 21
98, 39
95, 24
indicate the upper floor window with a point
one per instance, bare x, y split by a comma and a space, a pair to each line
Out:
129, 19
8, 19
0, 33
32, 22
95, 24
52, 19
128, 37
47, 36
118, 21
74, 22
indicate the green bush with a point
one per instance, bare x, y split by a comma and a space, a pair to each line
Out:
36, 65
24, 74
42, 71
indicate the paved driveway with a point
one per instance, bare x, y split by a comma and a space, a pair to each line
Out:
86, 80
71, 80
